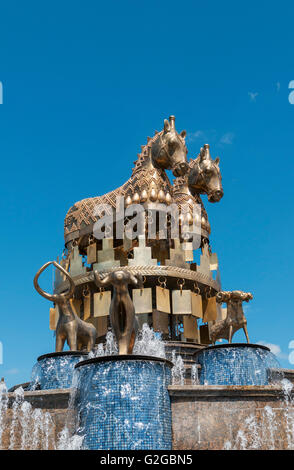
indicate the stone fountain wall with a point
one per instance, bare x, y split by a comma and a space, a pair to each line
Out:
232, 417
203, 417
46, 418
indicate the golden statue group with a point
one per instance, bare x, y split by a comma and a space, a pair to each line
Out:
129, 256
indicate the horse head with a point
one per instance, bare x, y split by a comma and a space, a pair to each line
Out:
169, 150
205, 176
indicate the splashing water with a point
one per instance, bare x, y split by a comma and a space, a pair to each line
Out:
66, 441
287, 388
227, 445
241, 440
254, 435
194, 375
149, 343
25, 418
178, 370
111, 347
19, 397
3, 408
22, 426
100, 350
30, 428
236, 366
262, 430
68, 438
35, 377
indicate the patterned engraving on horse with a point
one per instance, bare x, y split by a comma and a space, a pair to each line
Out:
149, 182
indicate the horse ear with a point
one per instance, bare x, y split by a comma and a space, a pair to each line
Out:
217, 160
183, 134
166, 126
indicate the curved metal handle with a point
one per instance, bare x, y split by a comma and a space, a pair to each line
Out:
54, 297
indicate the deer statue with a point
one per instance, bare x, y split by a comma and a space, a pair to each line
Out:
203, 177
225, 329
78, 334
122, 310
149, 183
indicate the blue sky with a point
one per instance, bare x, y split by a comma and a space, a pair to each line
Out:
85, 83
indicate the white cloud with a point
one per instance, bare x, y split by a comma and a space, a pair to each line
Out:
12, 371
246, 308
191, 136
211, 136
252, 95
227, 139
275, 349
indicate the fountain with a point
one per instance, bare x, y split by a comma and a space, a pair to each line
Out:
55, 370
236, 364
141, 320
123, 403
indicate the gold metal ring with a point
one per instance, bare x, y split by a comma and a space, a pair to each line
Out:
196, 289
162, 283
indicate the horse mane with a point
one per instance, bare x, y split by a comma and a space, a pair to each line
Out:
81, 213
145, 151
144, 154
181, 181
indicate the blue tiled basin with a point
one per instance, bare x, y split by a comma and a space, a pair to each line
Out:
235, 364
122, 403
55, 370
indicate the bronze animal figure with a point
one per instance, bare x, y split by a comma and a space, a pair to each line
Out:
122, 310
203, 177
149, 183
78, 334
235, 319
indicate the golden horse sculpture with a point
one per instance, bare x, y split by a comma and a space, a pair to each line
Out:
78, 334
235, 319
149, 183
202, 177
122, 310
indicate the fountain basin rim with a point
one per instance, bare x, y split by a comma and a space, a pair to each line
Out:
123, 357
183, 344
233, 345
61, 354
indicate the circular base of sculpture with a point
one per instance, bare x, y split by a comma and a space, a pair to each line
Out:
122, 403
235, 364
55, 370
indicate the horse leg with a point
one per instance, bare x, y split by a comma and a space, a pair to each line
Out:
230, 333
72, 335
92, 339
90, 343
60, 340
246, 332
